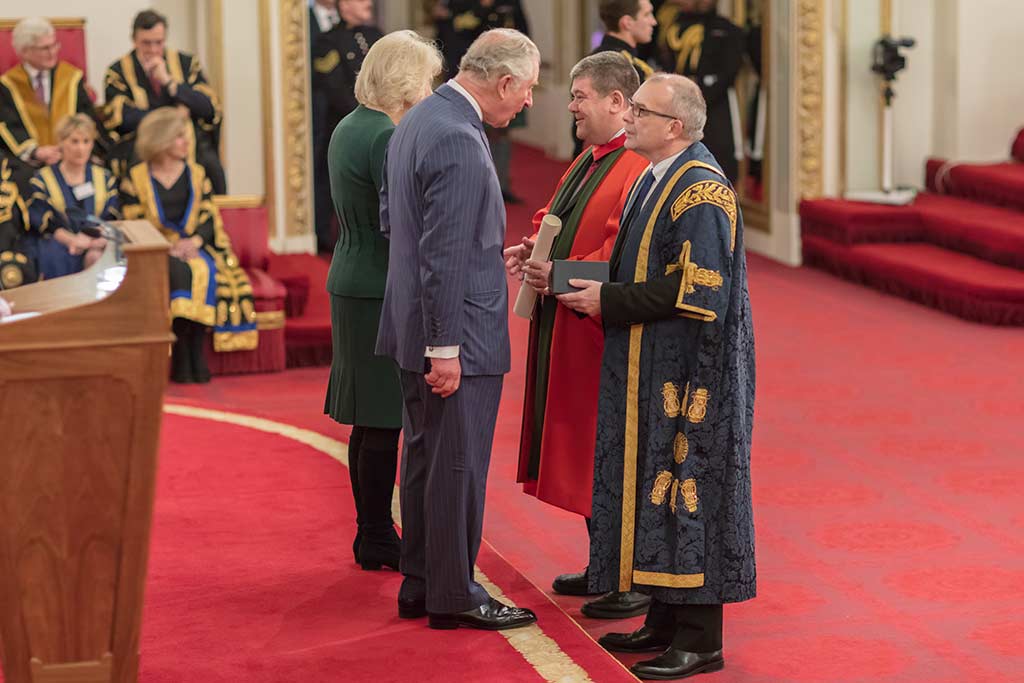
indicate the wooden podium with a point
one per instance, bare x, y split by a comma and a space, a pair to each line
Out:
81, 391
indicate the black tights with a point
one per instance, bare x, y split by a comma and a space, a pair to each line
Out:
372, 464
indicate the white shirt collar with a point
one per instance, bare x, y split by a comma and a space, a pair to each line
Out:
661, 168
622, 131
32, 72
465, 93
325, 17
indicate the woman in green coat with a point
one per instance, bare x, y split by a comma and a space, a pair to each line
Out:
363, 390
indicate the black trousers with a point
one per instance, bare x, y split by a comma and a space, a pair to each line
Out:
693, 628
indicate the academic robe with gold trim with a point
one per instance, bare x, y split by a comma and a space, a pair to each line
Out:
130, 96
556, 452
672, 513
53, 205
217, 292
16, 267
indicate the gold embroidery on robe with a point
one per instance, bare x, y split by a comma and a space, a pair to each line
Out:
687, 45
709, 192
681, 448
467, 21
662, 483
689, 489
670, 402
699, 408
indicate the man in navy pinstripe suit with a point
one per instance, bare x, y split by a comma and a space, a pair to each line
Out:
445, 322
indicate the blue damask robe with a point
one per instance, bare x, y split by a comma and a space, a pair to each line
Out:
672, 510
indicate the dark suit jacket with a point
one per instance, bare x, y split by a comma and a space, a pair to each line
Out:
441, 207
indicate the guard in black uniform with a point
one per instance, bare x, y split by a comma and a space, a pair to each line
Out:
708, 48
629, 25
337, 57
459, 23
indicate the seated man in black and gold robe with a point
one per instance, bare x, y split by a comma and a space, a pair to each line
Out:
35, 95
151, 76
16, 267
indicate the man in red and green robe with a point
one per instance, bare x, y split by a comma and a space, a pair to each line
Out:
556, 455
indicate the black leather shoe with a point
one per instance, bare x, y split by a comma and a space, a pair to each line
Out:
377, 550
617, 606
490, 616
644, 639
412, 609
572, 584
673, 664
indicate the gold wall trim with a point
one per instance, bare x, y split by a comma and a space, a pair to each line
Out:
810, 97
294, 19
57, 22
239, 201
267, 97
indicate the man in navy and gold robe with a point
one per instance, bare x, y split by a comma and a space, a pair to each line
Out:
35, 94
151, 76
672, 510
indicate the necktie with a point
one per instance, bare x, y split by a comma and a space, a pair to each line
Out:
40, 90
638, 198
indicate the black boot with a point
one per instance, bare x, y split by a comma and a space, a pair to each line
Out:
354, 444
181, 358
378, 462
197, 343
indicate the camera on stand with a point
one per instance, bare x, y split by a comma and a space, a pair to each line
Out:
887, 62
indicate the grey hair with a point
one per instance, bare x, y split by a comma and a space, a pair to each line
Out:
28, 31
608, 72
687, 103
501, 52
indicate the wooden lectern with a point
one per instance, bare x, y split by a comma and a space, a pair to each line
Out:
81, 391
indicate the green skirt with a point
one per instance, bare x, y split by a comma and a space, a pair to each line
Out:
363, 389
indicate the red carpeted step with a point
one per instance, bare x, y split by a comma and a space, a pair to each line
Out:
849, 222
999, 184
307, 336
991, 233
949, 281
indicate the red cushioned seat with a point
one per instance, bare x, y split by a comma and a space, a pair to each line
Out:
247, 229
949, 281
1000, 184
852, 222
1017, 149
70, 34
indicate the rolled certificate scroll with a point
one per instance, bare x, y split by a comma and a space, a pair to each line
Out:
549, 229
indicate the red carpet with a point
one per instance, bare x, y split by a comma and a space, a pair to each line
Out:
1000, 184
254, 581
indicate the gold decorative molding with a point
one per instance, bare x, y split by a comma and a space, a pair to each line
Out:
267, 97
294, 31
810, 97
56, 22
238, 201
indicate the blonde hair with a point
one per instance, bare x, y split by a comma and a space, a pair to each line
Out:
76, 122
398, 70
157, 132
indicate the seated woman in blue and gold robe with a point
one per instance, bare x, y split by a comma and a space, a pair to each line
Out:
64, 194
208, 288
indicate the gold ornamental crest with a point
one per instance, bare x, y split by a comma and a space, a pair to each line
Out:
689, 489
681, 448
699, 408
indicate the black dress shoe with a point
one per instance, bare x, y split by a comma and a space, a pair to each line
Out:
644, 639
673, 664
412, 609
617, 605
377, 550
490, 616
572, 584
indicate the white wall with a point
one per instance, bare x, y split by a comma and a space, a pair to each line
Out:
243, 99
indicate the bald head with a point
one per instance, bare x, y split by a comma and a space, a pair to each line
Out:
682, 98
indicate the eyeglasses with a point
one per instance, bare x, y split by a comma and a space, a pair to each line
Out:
52, 47
639, 111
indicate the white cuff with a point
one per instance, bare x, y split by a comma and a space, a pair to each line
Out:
442, 352
27, 154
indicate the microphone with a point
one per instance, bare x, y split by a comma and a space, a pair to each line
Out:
96, 227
